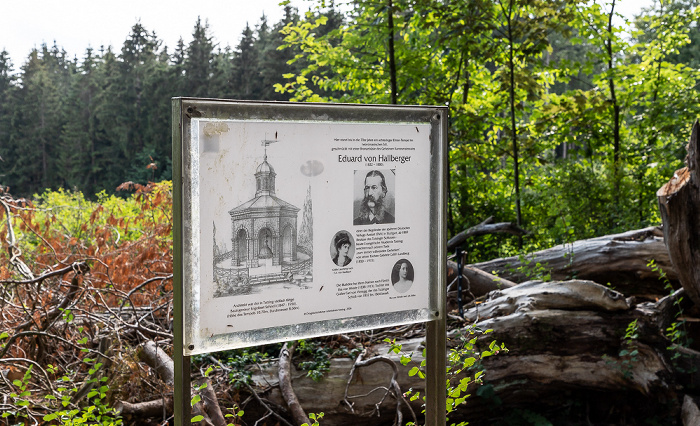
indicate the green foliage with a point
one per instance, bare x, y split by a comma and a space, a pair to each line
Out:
314, 418
238, 361
576, 162
94, 409
532, 271
320, 362
20, 398
558, 120
464, 369
677, 332
629, 353
235, 414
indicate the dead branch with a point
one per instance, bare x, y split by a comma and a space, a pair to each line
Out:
485, 228
393, 388
127, 297
103, 364
210, 403
73, 267
285, 377
157, 359
48, 318
269, 410
14, 337
12, 248
476, 282
35, 365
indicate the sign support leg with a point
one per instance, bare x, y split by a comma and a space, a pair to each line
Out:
436, 357
182, 393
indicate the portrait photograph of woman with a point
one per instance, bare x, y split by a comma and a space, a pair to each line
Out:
342, 248
402, 276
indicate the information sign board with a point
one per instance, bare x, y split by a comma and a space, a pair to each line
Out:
300, 220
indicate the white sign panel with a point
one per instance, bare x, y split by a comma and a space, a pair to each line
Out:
297, 223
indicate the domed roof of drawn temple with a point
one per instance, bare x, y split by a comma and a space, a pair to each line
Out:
265, 167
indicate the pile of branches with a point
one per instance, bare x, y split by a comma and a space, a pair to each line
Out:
81, 289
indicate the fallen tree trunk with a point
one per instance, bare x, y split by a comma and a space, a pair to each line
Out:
679, 203
577, 340
210, 403
619, 259
365, 388
572, 341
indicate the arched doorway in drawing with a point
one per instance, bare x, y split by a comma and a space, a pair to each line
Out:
241, 248
287, 243
265, 244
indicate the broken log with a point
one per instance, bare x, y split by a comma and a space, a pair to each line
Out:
575, 341
691, 412
679, 203
537, 296
164, 367
619, 259
162, 408
157, 359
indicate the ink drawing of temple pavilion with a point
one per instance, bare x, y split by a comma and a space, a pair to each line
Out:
265, 251
264, 228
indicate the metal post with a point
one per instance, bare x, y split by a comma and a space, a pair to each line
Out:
181, 397
436, 333
436, 356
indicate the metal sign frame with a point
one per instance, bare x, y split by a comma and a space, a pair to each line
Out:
187, 114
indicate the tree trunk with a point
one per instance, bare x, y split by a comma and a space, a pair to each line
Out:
679, 202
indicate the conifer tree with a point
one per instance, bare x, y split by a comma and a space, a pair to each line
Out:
199, 62
7, 95
246, 71
75, 160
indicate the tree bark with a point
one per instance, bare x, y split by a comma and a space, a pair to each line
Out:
691, 412
366, 387
679, 203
